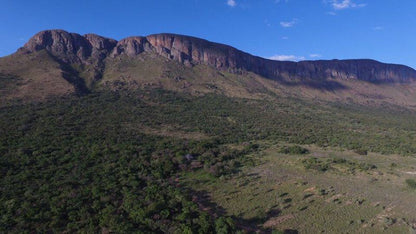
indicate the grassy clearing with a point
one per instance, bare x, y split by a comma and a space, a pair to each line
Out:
281, 193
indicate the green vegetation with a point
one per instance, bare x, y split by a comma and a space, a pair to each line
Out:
82, 165
316, 164
295, 149
8, 83
113, 161
332, 163
278, 193
411, 183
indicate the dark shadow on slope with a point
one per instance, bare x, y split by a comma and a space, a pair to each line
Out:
323, 85
386, 81
254, 225
327, 85
204, 201
72, 76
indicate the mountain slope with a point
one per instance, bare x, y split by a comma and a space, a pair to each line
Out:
182, 63
32, 76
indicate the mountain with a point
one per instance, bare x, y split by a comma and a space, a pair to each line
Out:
174, 134
56, 62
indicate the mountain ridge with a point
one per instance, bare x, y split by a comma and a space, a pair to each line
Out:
57, 63
92, 49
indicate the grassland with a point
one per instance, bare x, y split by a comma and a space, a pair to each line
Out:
31, 77
281, 193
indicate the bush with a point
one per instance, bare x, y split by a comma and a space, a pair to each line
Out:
295, 149
411, 183
361, 151
224, 225
315, 164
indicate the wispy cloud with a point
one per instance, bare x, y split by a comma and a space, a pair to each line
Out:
268, 24
315, 55
285, 38
378, 28
345, 4
231, 3
282, 57
288, 24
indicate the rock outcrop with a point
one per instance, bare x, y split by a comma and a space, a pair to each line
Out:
131, 46
93, 49
71, 47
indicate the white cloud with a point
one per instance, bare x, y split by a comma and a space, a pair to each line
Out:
285, 38
231, 3
378, 28
282, 57
345, 4
288, 24
315, 55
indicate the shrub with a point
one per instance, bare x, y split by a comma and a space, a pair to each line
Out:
315, 164
224, 225
295, 149
361, 151
411, 183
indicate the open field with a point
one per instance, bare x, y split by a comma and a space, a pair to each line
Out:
281, 193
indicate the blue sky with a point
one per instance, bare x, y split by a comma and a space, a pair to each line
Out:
384, 30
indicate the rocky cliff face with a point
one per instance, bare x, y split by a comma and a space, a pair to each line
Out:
71, 47
131, 47
93, 49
